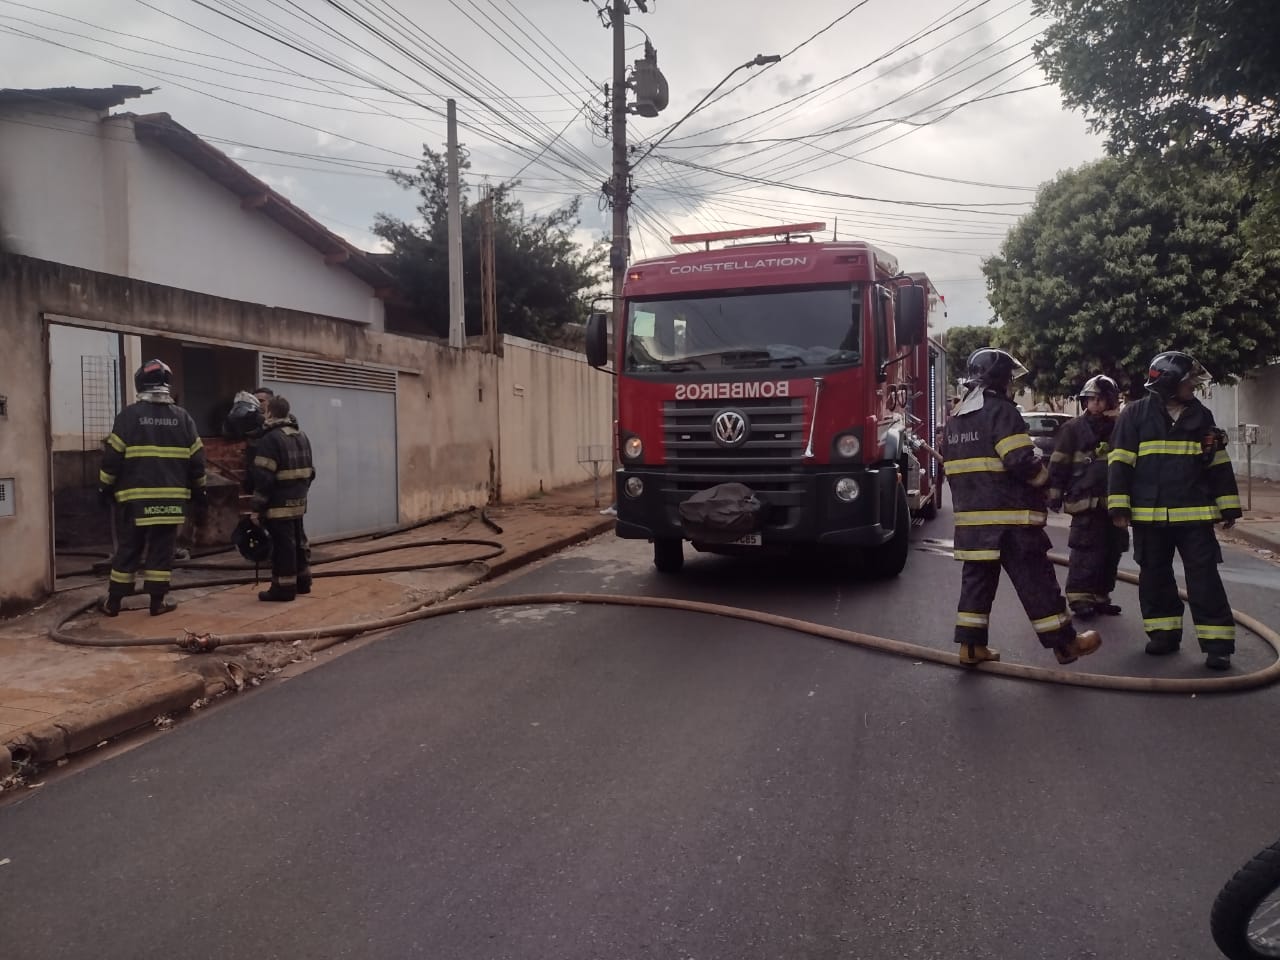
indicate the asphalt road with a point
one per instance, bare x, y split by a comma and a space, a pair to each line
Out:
590, 782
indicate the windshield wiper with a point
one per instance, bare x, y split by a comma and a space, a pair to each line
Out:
675, 366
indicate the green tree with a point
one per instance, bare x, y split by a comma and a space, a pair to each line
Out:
543, 278
1161, 74
1120, 259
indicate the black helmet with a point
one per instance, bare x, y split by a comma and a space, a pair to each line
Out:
994, 369
152, 374
252, 540
245, 417
1171, 368
1101, 386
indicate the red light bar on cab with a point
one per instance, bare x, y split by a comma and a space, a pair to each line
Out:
787, 229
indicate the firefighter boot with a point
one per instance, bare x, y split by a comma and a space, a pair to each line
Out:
1164, 644
1218, 661
1085, 643
1105, 606
1083, 609
278, 594
971, 654
304, 585
160, 604
110, 605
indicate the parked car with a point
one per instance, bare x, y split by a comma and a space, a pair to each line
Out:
1044, 428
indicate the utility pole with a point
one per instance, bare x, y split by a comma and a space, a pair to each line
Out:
488, 280
457, 312
618, 253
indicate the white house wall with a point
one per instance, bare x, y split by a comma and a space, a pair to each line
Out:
1255, 400
551, 406
51, 185
85, 192
188, 231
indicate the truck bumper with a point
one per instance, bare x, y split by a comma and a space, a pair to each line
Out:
803, 509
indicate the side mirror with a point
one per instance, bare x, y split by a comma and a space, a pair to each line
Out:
911, 316
597, 346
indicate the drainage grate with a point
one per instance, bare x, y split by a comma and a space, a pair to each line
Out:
6, 497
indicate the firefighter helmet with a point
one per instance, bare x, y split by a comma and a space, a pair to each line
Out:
245, 417
1167, 370
152, 375
994, 369
1101, 386
252, 540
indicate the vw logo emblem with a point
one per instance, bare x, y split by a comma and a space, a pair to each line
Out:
730, 428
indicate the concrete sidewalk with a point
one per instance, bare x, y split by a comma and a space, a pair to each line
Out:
57, 700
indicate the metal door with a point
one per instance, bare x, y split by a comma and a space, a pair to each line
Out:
349, 414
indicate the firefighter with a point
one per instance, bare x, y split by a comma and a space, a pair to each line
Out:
152, 469
998, 489
282, 475
1078, 484
1170, 476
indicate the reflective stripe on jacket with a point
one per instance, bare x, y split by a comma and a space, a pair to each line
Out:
282, 470
151, 461
1161, 471
997, 483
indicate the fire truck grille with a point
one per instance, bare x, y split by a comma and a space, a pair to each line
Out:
769, 461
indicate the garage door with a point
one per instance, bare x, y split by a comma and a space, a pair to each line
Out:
349, 413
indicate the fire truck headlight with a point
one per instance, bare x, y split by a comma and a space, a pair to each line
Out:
847, 446
632, 448
847, 489
633, 487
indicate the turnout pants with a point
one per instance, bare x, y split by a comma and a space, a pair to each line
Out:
1096, 547
290, 555
1153, 548
149, 548
1024, 555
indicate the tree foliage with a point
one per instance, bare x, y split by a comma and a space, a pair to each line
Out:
1161, 74
1120, 259
543, 278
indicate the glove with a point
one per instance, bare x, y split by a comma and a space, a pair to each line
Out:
1229, 523
106, 496
200, 506
1055, 504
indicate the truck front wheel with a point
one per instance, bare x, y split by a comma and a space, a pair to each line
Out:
668, 555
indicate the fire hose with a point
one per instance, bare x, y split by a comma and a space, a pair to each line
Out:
320, 638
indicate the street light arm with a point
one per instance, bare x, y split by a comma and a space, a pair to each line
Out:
759, 60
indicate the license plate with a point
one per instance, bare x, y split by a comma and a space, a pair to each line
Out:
749, 540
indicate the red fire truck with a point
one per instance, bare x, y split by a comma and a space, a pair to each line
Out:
801, 370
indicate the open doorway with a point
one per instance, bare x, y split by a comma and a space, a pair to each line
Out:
90, 382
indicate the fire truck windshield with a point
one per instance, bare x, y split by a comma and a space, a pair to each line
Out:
782, 327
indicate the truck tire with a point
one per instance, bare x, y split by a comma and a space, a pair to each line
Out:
668, 555
889, 559
1244, 909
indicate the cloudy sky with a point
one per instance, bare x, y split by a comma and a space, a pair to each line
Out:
923, 127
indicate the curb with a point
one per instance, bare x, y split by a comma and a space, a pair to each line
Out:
1254, 539
508, 562
85, 727
89, 725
